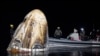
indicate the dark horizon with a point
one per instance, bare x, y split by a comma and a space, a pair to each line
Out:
66, 14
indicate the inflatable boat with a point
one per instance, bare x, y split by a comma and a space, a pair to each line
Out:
71, 43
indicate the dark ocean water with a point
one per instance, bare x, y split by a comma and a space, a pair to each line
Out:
61, 52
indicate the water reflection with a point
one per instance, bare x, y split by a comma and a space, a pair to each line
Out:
75, 53
64, 52
44, 53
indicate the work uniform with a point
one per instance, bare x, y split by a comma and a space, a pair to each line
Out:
58, 33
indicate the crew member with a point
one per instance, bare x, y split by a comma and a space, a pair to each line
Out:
58, 33
74, 35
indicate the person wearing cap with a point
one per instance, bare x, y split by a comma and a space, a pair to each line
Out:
74, 36
58, 33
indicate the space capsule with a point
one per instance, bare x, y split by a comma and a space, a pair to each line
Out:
31, 33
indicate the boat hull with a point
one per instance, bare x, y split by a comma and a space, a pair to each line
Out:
70, 43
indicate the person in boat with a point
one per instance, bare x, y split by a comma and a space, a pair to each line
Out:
58, 33
93, 34
74, 35
98, 35
82, 34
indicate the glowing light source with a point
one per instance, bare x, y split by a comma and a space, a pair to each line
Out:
11, 25
82, 29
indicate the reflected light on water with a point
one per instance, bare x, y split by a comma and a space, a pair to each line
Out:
67, 52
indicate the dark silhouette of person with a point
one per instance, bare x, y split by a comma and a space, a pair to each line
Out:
82, 34
93, 34
98, 35
11, 30
58, 33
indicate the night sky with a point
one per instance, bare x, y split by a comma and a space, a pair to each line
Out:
66, 14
